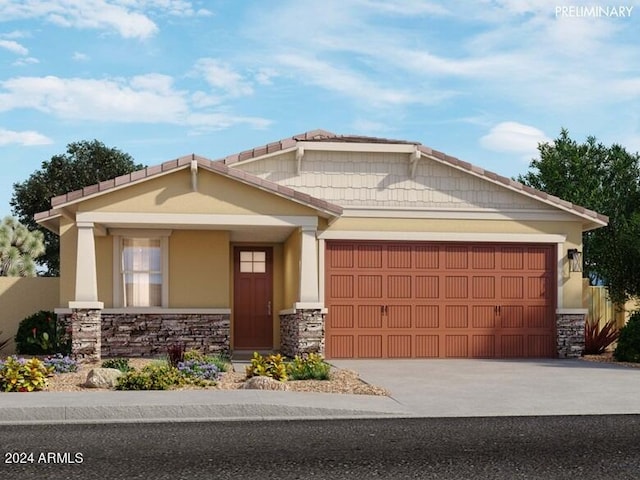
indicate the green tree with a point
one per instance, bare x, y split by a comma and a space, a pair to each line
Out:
607, 180
85, 163
19, 247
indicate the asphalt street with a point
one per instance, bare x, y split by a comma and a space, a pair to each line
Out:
553, 447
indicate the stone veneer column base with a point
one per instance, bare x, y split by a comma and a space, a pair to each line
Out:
570, 334
86, 334
302, 332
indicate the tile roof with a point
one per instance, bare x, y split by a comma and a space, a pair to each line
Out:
221, 166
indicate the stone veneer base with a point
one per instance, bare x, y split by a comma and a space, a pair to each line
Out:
570, 334
302, 332
149, 335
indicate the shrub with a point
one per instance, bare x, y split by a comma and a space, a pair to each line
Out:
628, 349
597, 339
61, 364
175, 351
155, 376
219, 360
200, 370
272, 366
20, 375
121, 364
310, 366
42, 334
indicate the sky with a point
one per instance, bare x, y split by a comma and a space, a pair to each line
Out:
481, 80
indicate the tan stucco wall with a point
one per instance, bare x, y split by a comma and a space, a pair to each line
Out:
104, 267
199, 269
21, 297
291, 266
571, 282
172, 194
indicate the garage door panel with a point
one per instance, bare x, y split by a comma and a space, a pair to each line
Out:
341, 286
399, 346
340, 346
342, 316
483, 258
483, 316
456, 316
512, 346
370, 346
456, 287
399, 256
427, 257
399, 316
483, 287
512, 287
370, 286
369, 316
427, 316
456, 346
369, 256
427, 346
399, 286
483, 346
440, 300
427, 286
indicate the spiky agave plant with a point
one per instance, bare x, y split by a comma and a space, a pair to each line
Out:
19, 247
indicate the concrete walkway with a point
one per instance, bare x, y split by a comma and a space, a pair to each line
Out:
424, 388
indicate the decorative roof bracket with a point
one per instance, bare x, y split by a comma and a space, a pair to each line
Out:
299, 155
194, 174
414, 157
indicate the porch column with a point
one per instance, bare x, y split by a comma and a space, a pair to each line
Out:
309, 266
86, 281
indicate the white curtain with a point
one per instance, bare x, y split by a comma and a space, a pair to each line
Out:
142, 272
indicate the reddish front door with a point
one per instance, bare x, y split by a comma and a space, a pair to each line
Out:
252, 298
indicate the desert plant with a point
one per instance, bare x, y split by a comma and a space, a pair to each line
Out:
121, 364
20, 375
219, 360
175, 351
273, 366
197, 369
19, 247
42, 334
155, 376
310, 366
628, 348
597, 339
60, 364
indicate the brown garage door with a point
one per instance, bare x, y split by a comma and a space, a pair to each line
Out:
440, 300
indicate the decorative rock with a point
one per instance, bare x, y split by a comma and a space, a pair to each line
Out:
102, 378
264, 383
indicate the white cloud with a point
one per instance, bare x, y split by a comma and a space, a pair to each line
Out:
150, 98
14, 47
221, 76
514, 137
85, 14
25, 138
23, 61
80, 57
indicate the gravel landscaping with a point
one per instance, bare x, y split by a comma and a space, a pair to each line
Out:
341, 381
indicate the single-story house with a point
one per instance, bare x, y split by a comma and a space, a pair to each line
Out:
356, 247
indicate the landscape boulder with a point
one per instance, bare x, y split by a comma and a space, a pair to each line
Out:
264, 383
102, 378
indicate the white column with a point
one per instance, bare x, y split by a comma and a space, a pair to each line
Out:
86, 279
309, 266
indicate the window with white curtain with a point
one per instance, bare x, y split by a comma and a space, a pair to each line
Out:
142, 272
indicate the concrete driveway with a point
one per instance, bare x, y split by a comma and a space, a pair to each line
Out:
447, 388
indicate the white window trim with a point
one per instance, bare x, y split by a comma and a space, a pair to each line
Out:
118, 287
